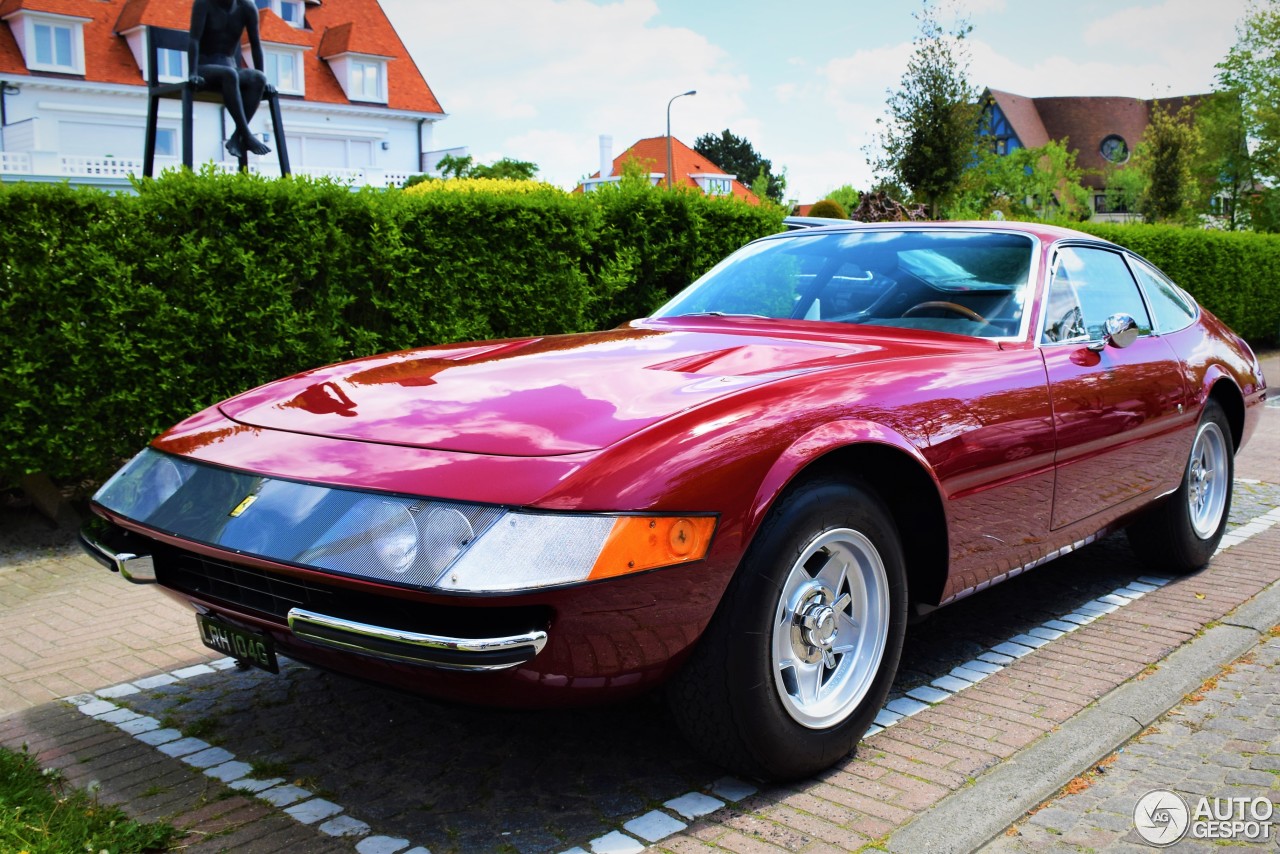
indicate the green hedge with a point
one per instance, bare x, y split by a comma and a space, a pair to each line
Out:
121, 314
1236, 275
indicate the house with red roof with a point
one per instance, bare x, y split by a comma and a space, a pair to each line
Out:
688, 168
1103, 131
73, 92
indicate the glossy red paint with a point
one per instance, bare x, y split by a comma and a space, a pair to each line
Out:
1027, 449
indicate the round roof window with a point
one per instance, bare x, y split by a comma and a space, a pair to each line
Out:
1114, 148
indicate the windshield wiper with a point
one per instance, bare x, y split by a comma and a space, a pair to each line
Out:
722, 314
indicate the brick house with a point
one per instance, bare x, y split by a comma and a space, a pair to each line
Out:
1102, 130
689, 168
73, 107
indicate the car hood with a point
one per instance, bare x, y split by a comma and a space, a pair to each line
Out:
539, 396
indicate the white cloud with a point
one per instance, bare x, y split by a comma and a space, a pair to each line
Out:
546, 77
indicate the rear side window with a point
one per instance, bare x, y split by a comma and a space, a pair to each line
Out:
1172, 307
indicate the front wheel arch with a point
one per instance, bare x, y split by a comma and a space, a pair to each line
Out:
912, 499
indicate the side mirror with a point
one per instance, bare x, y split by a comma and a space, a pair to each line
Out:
1120, 330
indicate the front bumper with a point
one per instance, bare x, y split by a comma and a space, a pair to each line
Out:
447, 653
132, 556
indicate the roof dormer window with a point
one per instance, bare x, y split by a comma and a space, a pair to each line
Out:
284, 71
292, 12
50, 42
172, 65
368, 80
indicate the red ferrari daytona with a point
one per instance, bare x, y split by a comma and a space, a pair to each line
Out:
743, 496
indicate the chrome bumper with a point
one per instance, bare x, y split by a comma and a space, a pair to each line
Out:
413, 647
95, 539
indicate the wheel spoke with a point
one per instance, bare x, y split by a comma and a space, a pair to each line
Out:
808, 682
833, 572
842, 603
847, 628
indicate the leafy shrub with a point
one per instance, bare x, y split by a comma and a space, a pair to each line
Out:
121, 314
829, 207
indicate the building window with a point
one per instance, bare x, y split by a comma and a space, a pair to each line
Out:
166, 142
54, 44
1114, 148
282, 71
366, 81
172, 64
1102, 206
291, 12
718, 186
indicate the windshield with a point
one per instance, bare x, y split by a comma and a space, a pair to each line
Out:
964, 282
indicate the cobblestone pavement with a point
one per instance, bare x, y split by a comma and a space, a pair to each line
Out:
1221, 742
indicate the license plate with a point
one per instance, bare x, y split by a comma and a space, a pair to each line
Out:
241, 644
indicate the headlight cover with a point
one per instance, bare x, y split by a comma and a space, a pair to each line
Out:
421, 542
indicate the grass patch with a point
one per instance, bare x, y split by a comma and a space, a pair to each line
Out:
260, 769
39, 814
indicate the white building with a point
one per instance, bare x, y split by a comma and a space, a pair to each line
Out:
73, 102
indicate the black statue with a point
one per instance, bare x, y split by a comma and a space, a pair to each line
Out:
216, 29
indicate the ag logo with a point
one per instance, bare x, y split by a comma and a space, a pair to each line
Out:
1161, 818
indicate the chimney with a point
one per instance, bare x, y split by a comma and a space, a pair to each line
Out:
606, 155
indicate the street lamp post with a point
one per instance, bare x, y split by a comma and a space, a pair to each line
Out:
669, 166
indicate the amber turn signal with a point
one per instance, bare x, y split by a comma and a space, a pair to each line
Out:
645, 542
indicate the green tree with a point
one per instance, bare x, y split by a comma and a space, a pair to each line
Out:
1126, 186
737, 156
1167, 157
1251, 70
1041, 183
929, 137
1224, 168
846, 196
466, 167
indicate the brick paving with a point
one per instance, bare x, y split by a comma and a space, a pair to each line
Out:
67, 627
912, 766
1222, 742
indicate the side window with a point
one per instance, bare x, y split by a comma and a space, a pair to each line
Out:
1100, 284
1063, 320
1171, 306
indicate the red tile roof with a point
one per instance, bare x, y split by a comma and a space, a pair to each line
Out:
685, 163
272, 28
109, 60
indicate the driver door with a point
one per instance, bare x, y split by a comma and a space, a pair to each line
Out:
1118, 413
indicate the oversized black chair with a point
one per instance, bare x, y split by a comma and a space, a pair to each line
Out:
161, 38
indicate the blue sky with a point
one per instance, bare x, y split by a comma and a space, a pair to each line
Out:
541, 80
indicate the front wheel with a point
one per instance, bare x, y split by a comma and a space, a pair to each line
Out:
803, 649
1181, 534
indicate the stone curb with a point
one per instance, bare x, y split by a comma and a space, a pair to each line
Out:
973, 816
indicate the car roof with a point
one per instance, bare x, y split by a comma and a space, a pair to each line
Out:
1047, 233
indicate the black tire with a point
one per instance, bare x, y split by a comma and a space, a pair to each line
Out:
1172, 537
733, 699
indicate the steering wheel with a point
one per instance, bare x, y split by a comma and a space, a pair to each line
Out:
949, 306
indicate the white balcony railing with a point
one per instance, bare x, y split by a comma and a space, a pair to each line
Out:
73, 166
15, 162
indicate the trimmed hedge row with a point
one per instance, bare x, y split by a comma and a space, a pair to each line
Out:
121, 314
1236, 275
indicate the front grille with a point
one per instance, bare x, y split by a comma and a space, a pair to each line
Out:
242, 586
268, 594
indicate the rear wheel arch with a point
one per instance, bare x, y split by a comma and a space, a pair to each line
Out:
1231, 400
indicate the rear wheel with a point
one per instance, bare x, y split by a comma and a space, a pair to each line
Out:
801, 654
1181, 534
